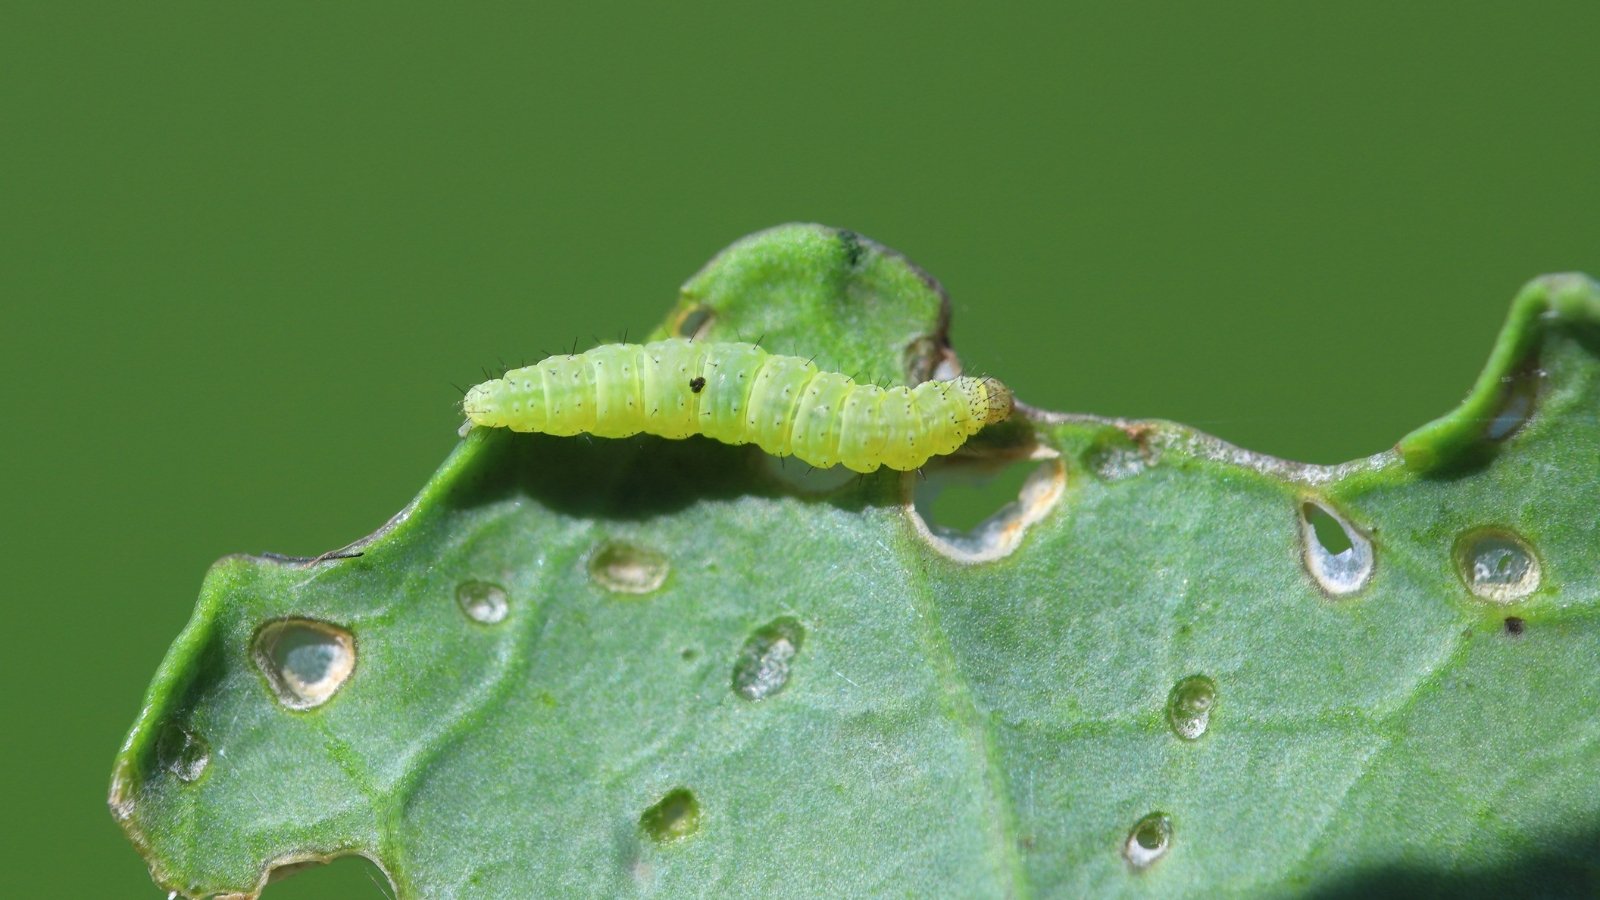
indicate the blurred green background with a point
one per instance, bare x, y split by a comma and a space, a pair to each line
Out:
245, 250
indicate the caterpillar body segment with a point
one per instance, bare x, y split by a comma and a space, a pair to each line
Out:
738, 393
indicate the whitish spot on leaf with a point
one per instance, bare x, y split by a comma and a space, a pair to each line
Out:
763, 666
1497, 565
628, 569
183, 753
483, 602
1119, 455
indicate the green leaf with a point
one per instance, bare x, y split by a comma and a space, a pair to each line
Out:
1170, 666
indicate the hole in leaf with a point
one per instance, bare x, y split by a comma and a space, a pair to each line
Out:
960, 505
991, 508
350, 875
1329, 531
1338, 556
305, 661
1149, 840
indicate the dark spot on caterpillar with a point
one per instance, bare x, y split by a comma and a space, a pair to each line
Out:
697, 384
1514, 625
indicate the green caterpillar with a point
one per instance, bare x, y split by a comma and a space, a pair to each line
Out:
739, 394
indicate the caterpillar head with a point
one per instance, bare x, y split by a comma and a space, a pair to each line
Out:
482, 404
996, 399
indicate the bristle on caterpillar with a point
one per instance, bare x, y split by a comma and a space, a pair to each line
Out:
738, 393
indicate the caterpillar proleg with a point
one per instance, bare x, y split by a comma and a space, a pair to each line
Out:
738, 393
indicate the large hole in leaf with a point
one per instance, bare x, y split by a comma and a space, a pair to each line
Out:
976, 512
352, 875
961, 505
1338, 556
1330, 534
305, 661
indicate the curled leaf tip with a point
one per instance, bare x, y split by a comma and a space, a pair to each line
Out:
1502, 399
